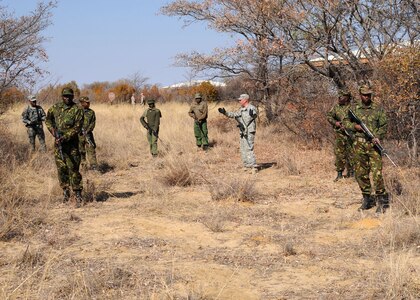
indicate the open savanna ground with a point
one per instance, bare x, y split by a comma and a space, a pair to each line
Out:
194, 225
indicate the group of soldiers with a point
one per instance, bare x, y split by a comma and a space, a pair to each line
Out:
72, 128
357, 152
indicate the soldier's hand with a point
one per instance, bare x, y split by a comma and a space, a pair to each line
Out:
338, 124
376, 141
252, 114
59, 140
222, 110
358, 127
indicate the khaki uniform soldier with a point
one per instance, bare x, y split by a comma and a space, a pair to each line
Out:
151, 121
368, 160
246, 118
87, 143
32, 117
199, 112
65, 121
343, 145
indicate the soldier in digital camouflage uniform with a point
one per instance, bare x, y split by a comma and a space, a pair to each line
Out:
199, 112
368, 159
151, 121
87, 143
343, 144
246, 118
32, 117
65, 121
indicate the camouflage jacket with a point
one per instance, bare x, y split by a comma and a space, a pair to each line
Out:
373, 116
89, 120
198, 111
337, 114
33, 116
67, 119
243, 116
151, 117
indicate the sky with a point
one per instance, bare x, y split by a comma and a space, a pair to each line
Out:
108, 40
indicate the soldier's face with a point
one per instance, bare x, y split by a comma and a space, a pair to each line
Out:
67, 99
366, 98
32, 103
343, 99
85, 104
198, 100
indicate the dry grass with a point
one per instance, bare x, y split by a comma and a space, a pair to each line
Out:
192, 225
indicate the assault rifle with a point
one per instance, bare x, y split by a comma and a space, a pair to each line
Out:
370, 135
88, 139
151, 131
58, 136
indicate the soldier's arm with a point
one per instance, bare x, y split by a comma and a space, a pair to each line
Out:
78, 125
142, 119
382, 125
191, 112
42, 113
332, 116
50, 121
91, 122
204, 112
234, 114
25, 117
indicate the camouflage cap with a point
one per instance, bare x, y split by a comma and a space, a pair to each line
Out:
84, 99
32, 98
67, 92
198, 96
365, 90
151, 101
343, 93
243, 97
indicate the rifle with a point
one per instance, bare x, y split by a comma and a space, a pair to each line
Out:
350, 136
57, 136
88, 139
370, 135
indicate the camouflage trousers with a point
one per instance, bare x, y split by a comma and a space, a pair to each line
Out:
343, 150
87, 151
247, 150
201, 132
368, 161
152, 139
68, 166
33, 132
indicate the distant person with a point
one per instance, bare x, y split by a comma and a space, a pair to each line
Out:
343, 144
246, 118
133, 100
151, 121
199, 112
368, 159
87, 145
65, 122
32, 117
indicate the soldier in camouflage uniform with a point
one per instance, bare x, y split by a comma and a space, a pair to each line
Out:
32, 117
199, 111
151, 121
87, 143
343, 147
65, 121
246, 118
368, 159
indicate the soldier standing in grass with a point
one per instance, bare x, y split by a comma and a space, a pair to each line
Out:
246, 118
368, 159
65, 121
343, 146
87, 143
32, 117
151, 121
199, 112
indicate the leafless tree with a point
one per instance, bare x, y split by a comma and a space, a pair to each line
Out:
21, 45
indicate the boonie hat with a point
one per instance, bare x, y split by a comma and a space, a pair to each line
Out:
67, 92
84, 99
198, 96
365, 90
243, 97
151, 101
32, 98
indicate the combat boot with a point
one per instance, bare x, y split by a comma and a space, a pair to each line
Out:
350, 174
383, 203
79, 198
368, 202
339, 176
66, 195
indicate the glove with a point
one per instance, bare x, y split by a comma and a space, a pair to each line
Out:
222, 110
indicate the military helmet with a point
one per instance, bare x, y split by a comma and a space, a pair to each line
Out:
84, 99
198, 96
365, 90
67, 92
151, 101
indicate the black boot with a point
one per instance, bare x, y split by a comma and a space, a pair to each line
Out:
368, 202
383, 203
79, 198
339, 176
350, 173
66, 195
